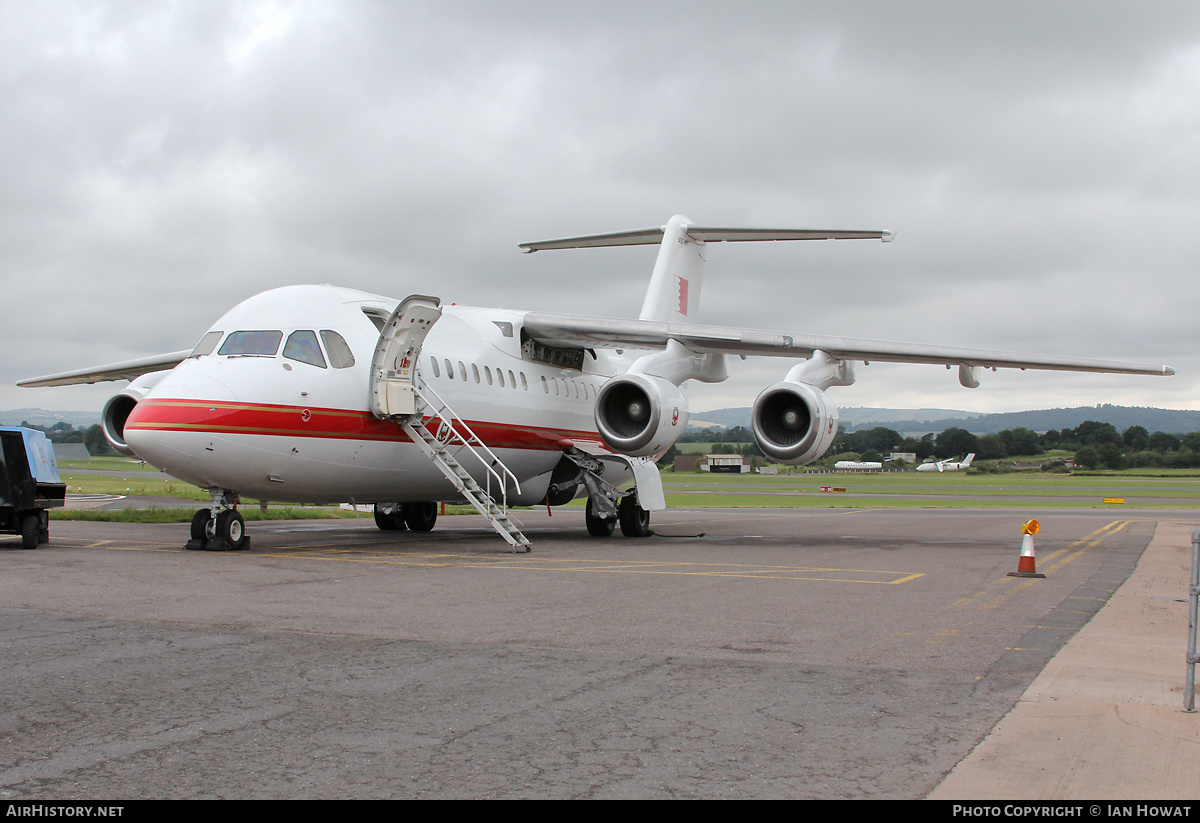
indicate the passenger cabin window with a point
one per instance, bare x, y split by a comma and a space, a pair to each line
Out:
436, 371
207, 343
252, 343
302, 346
340, 356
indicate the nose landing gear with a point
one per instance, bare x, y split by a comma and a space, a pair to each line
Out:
219, 528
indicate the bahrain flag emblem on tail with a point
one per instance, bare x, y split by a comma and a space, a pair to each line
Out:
683, 295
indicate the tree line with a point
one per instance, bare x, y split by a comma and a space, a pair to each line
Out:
1093, 445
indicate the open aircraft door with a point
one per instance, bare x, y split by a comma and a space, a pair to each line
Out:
394, 365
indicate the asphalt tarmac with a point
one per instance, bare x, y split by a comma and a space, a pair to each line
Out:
736, 653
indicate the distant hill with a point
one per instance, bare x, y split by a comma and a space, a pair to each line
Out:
47, 418
1041, 420
920, 421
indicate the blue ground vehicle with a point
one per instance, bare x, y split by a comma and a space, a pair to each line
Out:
29, 484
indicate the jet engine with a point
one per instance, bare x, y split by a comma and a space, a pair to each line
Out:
641, 415
116, 412
794, 423
118, 408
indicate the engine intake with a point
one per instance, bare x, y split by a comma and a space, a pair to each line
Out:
794, 423
641, 415
112, 419
118, 408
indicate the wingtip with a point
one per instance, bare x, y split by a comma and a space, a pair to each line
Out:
888, 236
1168, 370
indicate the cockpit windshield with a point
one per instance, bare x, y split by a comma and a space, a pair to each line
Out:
254, 343
302, 346
207, 343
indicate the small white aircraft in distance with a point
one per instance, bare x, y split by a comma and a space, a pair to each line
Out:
855, 465
314, 394
946, 465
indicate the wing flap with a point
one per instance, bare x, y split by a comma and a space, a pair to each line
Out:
126, 370
604, 332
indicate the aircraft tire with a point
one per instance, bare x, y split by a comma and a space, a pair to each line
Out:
393, 522
420, 517
200, 524
31, 527
635, 521
231, 529
597, 526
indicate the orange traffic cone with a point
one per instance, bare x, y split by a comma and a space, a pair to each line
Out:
1027, 565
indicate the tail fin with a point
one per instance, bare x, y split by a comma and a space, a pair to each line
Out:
674, 292
967, 461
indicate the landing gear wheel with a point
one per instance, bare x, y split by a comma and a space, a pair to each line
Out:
420, 517
44, 534
389, 522
231, 529
200, 522
31, 527
597, 526
635, 521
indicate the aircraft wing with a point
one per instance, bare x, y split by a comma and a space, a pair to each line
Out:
602, 332
127, 370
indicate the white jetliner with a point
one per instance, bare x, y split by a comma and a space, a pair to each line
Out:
854, 465
946, 465
326, 394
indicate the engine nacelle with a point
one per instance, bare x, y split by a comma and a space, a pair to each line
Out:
118, 408
794, 423
116, 412
641, 415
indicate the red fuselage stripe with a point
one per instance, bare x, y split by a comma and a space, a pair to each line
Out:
336, 424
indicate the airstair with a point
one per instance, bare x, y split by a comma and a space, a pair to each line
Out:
429, 421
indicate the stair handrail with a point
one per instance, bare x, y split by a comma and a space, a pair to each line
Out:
439, 413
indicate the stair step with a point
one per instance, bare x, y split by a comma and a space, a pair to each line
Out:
462, 480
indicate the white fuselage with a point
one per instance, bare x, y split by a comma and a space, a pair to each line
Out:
278, 428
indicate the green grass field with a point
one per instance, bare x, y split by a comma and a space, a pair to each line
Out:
949, 490
114, 464
1139, 489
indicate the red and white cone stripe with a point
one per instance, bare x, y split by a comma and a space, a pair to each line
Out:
1027, 565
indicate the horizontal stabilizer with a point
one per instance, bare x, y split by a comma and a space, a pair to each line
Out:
646, 237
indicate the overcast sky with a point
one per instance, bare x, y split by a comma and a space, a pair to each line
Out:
1038, 162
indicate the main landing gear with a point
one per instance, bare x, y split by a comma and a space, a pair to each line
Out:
606, 504
603, 515
219, 528
417, 517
